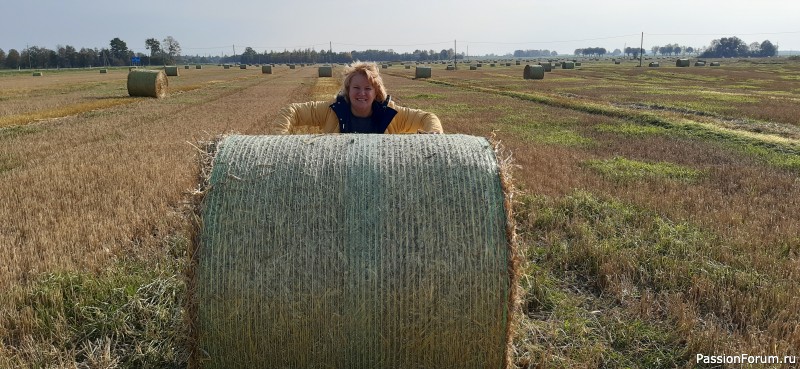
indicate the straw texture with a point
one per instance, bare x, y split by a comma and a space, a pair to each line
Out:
355, 251
147, 83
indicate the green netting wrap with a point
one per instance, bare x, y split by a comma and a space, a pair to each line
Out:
354, 251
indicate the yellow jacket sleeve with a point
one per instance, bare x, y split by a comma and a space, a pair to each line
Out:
311, 114
410, 120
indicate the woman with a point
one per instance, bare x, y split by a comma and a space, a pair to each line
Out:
361, 106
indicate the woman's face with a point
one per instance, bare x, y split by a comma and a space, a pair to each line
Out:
361, 94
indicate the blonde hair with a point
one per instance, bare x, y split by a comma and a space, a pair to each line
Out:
369, 70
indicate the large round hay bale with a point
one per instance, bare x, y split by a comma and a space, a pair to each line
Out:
654, 65
682, 63
423, 72
473, 67
450, 67
314, 249
37, 74
147, 83
266, 69
533, 72
548, 67
291, 66
325, 71
408, 66
171, 71
568, 65
103, 71
198, 66
715, 64
699, 63
242, 66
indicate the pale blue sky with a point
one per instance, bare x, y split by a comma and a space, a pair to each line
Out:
499, 26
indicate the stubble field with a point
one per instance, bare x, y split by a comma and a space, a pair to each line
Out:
659, 207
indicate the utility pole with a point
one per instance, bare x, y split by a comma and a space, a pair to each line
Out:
641, 50
455, 55
234, 53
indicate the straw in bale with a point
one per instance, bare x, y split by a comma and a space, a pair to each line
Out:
266, 69
533, 72
423, 72
682, 63
147, 83
295, 270
325, 71
171, 71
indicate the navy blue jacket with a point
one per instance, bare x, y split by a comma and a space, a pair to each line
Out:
382, 115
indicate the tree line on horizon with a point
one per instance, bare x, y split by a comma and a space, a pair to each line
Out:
168, 51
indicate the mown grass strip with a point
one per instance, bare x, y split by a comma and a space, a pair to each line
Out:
63, 111
778, 151
626, 169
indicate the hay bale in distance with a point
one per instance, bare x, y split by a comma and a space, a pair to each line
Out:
548, 67
147, 83
699, 63
450, 67
325, 71
266, 69
103, 71
242, 66
423, 72
185, 67
568, 65
408, 66
37, 74
291, 66
533, 72
171, 71
682, 63
198, 66
654, 65
473, 67
411, 279
715, 64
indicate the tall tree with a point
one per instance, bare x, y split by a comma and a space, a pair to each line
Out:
172, 47
12, 59
768, 49
153, 45
656, 49
2, 58
119, 49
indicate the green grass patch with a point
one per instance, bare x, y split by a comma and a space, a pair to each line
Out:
8, 162
626, 169
630, 129
17, 131
426, 96
128, 317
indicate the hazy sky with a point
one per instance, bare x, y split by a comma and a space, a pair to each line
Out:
208, 27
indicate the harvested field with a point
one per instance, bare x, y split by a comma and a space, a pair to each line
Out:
659, 208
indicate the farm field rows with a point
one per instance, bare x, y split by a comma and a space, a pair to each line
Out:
658, 207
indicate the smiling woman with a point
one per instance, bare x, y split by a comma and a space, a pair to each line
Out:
361, 106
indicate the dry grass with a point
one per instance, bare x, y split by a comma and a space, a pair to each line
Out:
698, 252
